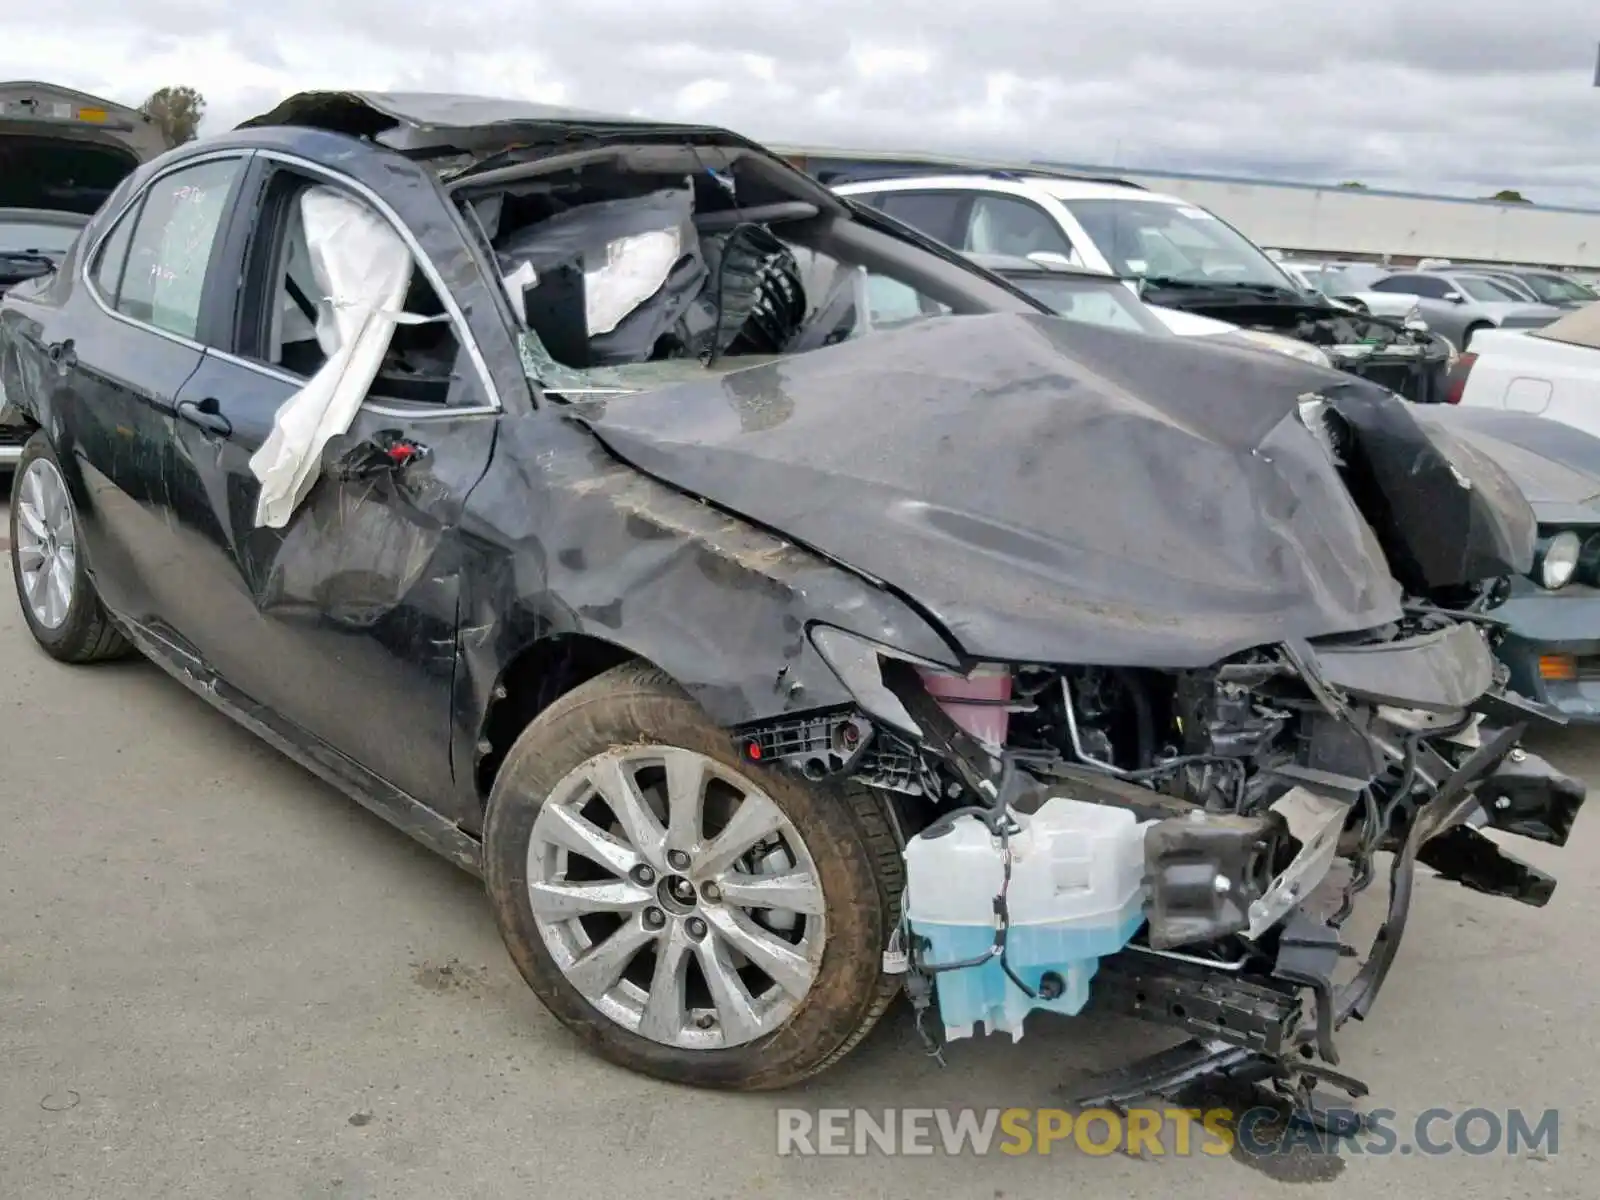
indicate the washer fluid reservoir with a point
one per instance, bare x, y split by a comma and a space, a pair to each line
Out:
1076, 895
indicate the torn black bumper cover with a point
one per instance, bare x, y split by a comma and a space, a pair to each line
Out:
1253, 1027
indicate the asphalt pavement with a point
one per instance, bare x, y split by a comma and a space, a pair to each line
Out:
219, 977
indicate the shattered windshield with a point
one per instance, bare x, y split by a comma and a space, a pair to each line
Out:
1173, 241
632, 293
634, 274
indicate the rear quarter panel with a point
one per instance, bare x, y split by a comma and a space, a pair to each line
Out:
1522, 374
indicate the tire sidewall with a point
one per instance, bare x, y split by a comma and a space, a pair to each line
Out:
847, 982
83, 611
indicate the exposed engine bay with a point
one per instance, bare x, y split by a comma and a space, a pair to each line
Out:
1399, 354
1186, 846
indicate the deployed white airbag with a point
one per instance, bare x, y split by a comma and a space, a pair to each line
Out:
635, 268
363, 270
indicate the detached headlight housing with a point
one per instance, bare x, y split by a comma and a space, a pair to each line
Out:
1555, 560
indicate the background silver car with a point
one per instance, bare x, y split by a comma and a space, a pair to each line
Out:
1539, 286
1455, 304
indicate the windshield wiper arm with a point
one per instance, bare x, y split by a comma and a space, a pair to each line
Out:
1176, 283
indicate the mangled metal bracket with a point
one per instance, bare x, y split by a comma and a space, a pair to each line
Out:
1308, 953
1209, 1057
385, 453
816, 746
1205, 872
1463, 855
1315, 821
1526, 796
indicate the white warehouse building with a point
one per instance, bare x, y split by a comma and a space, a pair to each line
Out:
1314, 219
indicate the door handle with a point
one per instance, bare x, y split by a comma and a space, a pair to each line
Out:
205, 414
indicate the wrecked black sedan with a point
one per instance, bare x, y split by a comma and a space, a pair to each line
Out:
541, 479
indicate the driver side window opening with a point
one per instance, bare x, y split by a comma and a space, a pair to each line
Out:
637, 266
320, 260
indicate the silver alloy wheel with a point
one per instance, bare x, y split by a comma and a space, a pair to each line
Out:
676, 897
47, 543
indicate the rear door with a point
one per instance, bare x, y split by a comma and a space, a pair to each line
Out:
118, 351
342, 622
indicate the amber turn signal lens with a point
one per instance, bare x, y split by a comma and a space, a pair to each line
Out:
1560, 667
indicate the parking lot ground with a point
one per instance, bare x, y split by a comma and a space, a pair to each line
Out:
219, 977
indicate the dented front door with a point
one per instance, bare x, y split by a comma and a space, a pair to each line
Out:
343, 622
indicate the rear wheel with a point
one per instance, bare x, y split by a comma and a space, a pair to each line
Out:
688, 915
59, 602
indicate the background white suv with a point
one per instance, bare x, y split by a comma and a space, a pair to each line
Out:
1199, 274
1117, 228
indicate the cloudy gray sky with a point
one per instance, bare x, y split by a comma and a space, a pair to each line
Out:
1459, 97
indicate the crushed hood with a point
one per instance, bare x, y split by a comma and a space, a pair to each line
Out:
1048, 491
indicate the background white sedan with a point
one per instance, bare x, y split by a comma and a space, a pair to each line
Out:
1550, 372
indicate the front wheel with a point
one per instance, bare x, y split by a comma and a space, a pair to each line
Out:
687, 914
59, 602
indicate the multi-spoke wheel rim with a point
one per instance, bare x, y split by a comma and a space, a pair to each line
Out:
47, 545
676, 897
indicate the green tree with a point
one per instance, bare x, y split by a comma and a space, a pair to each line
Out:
1508, 196
177, 112
1360, 187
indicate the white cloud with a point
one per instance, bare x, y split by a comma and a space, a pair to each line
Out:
1432, 94
702, 97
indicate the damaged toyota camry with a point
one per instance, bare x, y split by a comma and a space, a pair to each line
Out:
542, 480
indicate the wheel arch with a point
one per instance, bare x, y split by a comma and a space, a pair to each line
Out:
533, 679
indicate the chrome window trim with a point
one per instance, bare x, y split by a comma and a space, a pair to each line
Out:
458, 319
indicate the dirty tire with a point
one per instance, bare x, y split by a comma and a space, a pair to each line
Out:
846, 829
87, 634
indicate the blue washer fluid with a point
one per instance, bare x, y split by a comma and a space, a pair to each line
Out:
1076, 895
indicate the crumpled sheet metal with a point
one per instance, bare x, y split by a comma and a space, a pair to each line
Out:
363, 269
599, 550
1056, 492
380, 553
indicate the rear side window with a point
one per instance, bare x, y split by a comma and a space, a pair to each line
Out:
940, 215
1415, 285
1013, 227
171, 245
113, 257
